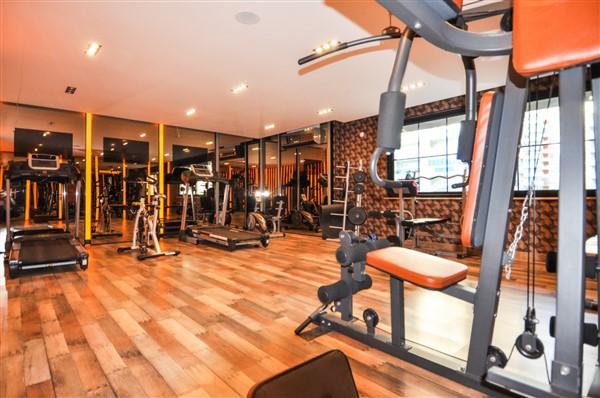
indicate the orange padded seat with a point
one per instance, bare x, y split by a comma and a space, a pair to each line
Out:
418, 268
549, 35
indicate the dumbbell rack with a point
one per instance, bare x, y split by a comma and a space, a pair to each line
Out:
345, 177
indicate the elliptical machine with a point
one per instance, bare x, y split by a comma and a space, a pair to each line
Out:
268, 223
145, 238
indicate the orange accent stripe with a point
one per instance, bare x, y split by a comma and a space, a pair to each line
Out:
483, 118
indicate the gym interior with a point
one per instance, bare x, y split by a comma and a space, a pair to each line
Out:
300, 199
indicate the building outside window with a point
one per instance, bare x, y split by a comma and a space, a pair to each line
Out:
429, 149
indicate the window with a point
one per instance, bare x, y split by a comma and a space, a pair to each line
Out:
541, 139
429, 150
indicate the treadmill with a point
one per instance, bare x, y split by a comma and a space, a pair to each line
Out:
230, 238
44, 246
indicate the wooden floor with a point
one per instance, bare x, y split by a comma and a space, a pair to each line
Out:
211, 323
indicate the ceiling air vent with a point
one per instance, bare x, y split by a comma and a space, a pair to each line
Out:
70, 90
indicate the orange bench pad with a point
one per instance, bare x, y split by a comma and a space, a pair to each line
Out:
418, 268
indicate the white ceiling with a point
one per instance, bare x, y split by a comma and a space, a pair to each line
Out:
160, 58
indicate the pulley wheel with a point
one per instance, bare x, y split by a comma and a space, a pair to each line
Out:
529, 345
359, 188
495, 357
357, 215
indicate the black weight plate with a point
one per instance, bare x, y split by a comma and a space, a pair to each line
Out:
359, 188
357, 215
359, 176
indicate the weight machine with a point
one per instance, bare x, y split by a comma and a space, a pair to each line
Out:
537, 45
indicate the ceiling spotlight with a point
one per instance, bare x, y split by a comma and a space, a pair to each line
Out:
405, 88
420, 84
46, 134
239, 88
327, 46
125, 143
190, 112
101, 153
35, 149
325, 111
40, 145
226, 163
412, 86
153, 159
92, 49
112, 144
273, 157
269, 126
186, 150
142, 135
255, 148
166, 154
209, 142
112, 149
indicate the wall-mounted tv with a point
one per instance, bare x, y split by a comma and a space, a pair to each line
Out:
117, 150
39, 141
184, 155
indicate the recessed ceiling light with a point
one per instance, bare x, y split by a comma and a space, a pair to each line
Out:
153, 159
35, 149
255, 148
40, 145
247, 18
420, 84
166, 154
125, 143
112, 149
190, 112
273, 157
226, 163
46, 134
325, 111
412, 86
101, 153
269, 126
209, 142
142, 135
186, 150
239, 88
92, 49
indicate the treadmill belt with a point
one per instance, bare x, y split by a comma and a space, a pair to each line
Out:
47, 251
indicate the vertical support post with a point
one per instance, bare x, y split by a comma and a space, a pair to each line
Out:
27, 199
169, 193
596, 122
124, 184
7, 206
161, 173
261, 171
35, 195
87, 238
397, 308
60, 200
148, 191
504, 167
97, 179
64, 204
1, 177
279, 165
217, 167
77, 207
246, 210
570, 283
329, 162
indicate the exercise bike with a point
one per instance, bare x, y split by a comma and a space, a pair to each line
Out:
145, 239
